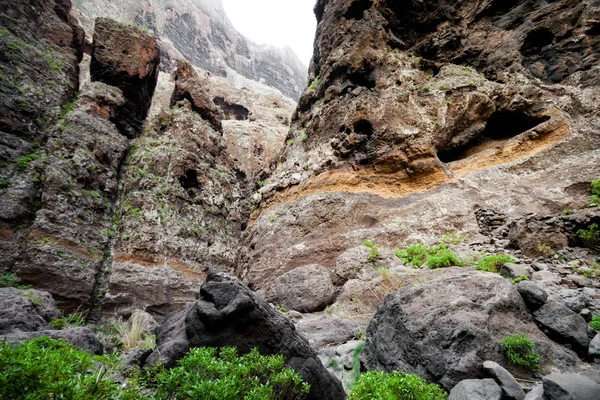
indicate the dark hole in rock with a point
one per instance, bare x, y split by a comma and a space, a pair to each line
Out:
500, 127
232, 111
342, 128
124, 52
243, 226
189, 181
357, 9
593, 30
363, 127
536, 40
241, 175
363, 77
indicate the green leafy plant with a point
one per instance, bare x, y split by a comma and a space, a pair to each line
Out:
373, 252
493, 263
70, 321
4, 183
206, 373
595, 323
43, 368
314, 85
438, 256
520, 350
23, 162
515, 281
567, 212
591, 236
595, 185
395, 386
8, 279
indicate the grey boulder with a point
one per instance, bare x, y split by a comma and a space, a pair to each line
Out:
476, 389
537, 393
570, 387
563, 325
304, 289
533, 294
510, 270
81, 337
25, 310
594, 349
509, 385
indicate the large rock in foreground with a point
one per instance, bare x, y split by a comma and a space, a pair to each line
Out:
445, 329
229, 314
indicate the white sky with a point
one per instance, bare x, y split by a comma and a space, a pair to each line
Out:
278, 22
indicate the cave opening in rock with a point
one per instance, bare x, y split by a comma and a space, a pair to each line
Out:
189, 180
363, 127
363, 77
232, 110
357, 9
536, 40
593, 30
500, 127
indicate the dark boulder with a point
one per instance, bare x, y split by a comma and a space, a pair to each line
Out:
533, 294
570, 387
563, 325
81, 337
229, 314
25, 310
510, 387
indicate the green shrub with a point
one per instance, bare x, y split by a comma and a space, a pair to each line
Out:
493, 263
518, 279
8, 279
395, 386
438, 256
70, 321
595, 323
43, 368
591, 236
4, 183
567, 212
204, 374
373, 253
519, 350
23, 162
596, 192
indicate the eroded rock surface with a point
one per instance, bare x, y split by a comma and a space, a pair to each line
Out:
128, 58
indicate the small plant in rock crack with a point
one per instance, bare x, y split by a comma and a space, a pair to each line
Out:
438, 256
493, 263
590, 237
374, 253
595, 192
520, 350
595, 323
515, 281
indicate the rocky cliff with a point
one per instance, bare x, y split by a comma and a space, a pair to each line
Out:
432, 135
200, 32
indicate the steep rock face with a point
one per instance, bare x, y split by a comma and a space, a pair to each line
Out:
40, 47
124, 57
200, 31
182, 206
389, 146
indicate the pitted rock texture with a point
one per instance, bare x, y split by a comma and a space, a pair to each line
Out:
40, 48
200, 32
126, 57
62, 250
445, 329
229, 314
182, 208
395, 147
